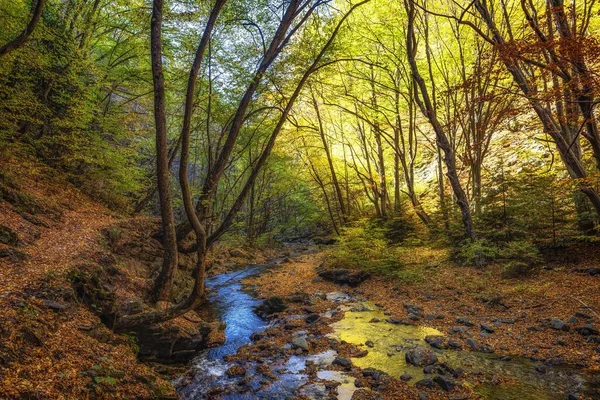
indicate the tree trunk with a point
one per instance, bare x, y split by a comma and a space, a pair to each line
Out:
162, 286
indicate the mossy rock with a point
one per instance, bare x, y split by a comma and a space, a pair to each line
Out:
90, 283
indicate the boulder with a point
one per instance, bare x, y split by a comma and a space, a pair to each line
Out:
271, 306
343, 276
421, 357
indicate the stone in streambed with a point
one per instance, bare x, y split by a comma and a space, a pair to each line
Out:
236, 370
342, 362
420, 357
271, 306
300, 343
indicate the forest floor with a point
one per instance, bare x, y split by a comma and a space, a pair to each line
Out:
63, 258
522, 315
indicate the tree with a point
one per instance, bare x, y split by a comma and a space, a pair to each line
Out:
22, 37
423, 99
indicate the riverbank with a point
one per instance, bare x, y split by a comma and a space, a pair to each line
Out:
452, 302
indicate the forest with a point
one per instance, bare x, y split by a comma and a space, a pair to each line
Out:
300, 199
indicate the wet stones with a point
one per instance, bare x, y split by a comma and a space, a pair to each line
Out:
271, 306
236, 370
311, 318
420, 357
379, 379
405, 377
487, 328
300, 342
343, 362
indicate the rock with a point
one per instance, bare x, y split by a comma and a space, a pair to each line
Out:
505, 358
587, 330
458, 329
361, 354
343, 276
342, 362
420, 357
534, 328
171, 343
425, 384
300, 343
430, 369
436, 341
445, 383
366, 394
256, 336
405, 377
54, 305
397, 321
413, 309
236, 370
472, 343
487, 328
559, 325
413, 317
369, 344
271, 306
312, 318
579, 314
423, 396
374, 320
360, 308
573, 396
464, 321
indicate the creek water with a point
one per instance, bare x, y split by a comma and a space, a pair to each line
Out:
234, 305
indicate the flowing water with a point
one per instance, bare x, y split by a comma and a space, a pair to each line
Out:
234, 305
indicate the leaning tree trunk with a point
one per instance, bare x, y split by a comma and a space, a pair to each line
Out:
428, 110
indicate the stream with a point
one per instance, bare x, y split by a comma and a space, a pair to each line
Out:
520, 378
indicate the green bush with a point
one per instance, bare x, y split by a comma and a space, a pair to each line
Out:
519, 257
478, 253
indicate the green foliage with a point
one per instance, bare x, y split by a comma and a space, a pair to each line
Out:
364, 246
60, 101
518, 257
